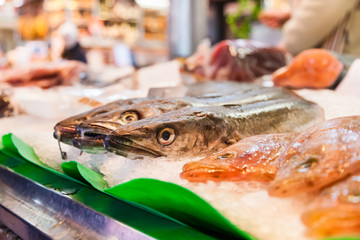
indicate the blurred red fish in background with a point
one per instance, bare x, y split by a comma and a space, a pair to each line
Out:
313, 68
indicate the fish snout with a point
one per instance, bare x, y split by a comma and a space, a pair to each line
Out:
56, 134
81, 129
64, 133
203, 171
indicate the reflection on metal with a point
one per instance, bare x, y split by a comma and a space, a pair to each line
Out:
187, 26
35, 212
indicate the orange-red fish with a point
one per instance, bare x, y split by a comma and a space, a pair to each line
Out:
313, 68
336, 212
319, 156
251, 159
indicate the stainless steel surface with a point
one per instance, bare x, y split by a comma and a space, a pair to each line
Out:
35, 212
187, 26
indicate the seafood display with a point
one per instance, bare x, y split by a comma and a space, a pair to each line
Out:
200, 130
244, 60
251, 159
336, 211
44, 75
318, 157
313, 68
86, 131
239, 60
322, 160
247, 160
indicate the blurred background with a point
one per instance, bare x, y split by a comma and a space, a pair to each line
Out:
128, 32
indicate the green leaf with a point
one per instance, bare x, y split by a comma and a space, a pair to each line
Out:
16, 148
153, 196
148, 222
8, 145
178, 203
84, 174
70, 169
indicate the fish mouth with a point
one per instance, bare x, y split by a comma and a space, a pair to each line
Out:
89, 145
200, 172
65, 133
90, 137
125, 147
96, 129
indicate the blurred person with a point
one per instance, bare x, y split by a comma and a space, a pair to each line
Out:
72, 50
331, 24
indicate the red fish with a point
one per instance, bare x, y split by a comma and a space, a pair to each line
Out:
336, 212
313, 68
251, 159
319, 156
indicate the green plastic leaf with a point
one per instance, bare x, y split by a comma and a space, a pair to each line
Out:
165, 198
25, 150
178, 203
154, 225
8, 145
17, 148
70, 169
84, 174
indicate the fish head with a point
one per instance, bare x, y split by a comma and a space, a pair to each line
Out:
186, 132
319, 156
304, 163
216, 167
65, 130
92, 132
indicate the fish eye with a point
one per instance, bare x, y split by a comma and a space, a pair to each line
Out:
166, 136
353, 198
129, 116
307, 164
226, 156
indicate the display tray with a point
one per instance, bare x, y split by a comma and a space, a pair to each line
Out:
81, 208
34, 211
52, 204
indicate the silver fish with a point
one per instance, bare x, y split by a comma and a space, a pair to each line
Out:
90, 133
197, 131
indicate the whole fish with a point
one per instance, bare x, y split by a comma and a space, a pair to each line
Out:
90, 133
251, 159
336, 210
319, 156
199, 130
113, 112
